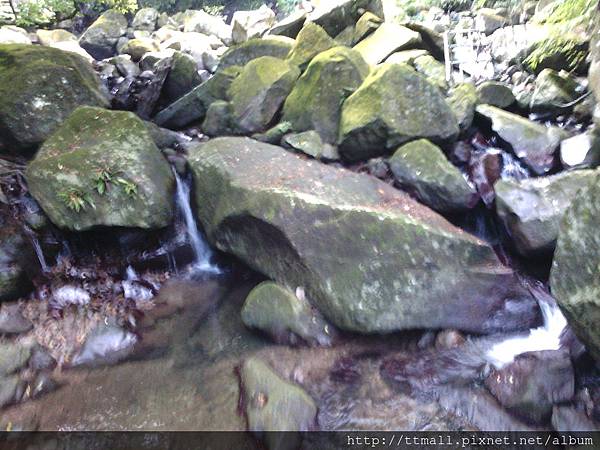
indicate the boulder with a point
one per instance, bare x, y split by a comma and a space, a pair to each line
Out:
553, 92
10, 34
193, 105
495, 93
345, 38
287, 317
367, 23
463, 99
433, 41
100, 39
125, 65
242, 54
394, 105
316, 100
311, 41
564, 51
275, 134
251, 24
182, 78
202, 22
574, 275
533, 143
422, 169
102, 168
406, 56
310, 143
259, 91
581, 151
290, 26
49, 37
73, 47
487, 21
387, 39
33, 97
291, 219
336, 15
533, 383
434, 71
218, 120
145, 19
532, 209
137, 48
274, 404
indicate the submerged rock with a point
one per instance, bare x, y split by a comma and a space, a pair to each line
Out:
395, 104
384, 41
316, 100
533, 143
533, 383
274, 404
292, 220
287, 317
422, 168
106, 345
532, 209
574, 276
39, 88
259, 91
100, 39
102, 168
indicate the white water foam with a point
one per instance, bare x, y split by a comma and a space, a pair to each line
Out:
546, 337
202, 252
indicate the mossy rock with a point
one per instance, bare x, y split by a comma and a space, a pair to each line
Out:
387, 39
137, 48
463, 99
334, 16
102, 168
218, 121
532, 209
574, 277
287, 318
394, 105
192, 106
272, 403
311, 144
422, 169
316, 100
100, 39
367, 256
495, 93
289, 26
434, 71
242, 54
553, 92
39, 88
559, 52
182, 78
367, 23
259, 91
311, 41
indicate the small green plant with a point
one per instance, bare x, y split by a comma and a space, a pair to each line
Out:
76, 200
105, 176
129, 187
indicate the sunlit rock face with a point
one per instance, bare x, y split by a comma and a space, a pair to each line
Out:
369, 257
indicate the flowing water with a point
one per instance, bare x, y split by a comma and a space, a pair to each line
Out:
202, 252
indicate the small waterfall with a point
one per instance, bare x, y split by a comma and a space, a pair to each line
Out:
546, 337
37, 247
202, 252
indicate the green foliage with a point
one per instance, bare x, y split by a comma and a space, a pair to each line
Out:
105, 176
570, 10
76, 199
46, 12
571, 51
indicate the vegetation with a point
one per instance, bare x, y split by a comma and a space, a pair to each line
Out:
571, 10
76, 199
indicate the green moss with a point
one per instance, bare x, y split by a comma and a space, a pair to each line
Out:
558, 52
567, 10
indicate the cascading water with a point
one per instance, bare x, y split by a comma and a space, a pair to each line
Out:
546, 337
202, 252
37, 247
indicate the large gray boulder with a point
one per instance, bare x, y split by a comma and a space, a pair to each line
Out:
532, 209
315, 102
102, 168
145, 19
100, 39
202, 22
242, 54
422, 169
533, 143
259, 91
251, 24
574, 277
39, 88
394, 105
367, 256
385, 40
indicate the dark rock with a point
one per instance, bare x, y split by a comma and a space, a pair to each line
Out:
100, 39
495, 93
